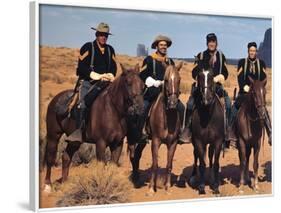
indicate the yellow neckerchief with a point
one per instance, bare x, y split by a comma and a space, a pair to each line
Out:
102, 49
159, 57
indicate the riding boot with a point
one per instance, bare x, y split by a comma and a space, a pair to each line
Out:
77, 135
268, 127
231, 137
141, 126
185, 135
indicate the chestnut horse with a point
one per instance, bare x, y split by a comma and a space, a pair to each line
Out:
249, 129
106, 124
163, 126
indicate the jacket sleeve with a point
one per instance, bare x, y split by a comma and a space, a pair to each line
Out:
263, 69
224, 70
196, 69
240, 76
84, 69
145, 71
113, 65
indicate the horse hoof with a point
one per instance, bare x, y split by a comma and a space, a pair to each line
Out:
201, 190
192, 180
168, 191
216, 191
256, 189
47, 188
150, 193
240, 190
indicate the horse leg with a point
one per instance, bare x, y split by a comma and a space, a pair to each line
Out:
247, 175
216, 168
50, 157
67, 158
256, 166
242, 158
100, 150
192, 179
136, 161
211, 154
116, 152
169, 167
154, 150
202, 167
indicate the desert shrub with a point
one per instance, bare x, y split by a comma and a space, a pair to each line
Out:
98, 183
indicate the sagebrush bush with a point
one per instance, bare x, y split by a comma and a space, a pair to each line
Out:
95, 184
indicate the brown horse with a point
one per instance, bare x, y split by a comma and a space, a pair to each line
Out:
207, 129
164, 123
106, 125
249, 129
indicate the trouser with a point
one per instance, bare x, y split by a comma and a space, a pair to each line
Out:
137, 123
235, 109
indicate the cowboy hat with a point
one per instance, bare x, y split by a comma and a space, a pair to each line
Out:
103, 28
161, 38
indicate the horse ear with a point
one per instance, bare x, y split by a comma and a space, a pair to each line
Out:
123, 69
179, 66
137, 68
251, 79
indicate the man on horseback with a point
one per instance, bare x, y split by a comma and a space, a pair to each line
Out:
96, 67
214, 59
152, 73
256, 69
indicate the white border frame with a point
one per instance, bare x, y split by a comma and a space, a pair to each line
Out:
34, 100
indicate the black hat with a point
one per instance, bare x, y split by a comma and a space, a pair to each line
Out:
211, 37
252, 44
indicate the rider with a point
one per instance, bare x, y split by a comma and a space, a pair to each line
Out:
215, 59
256, 68
96, 64
152, 73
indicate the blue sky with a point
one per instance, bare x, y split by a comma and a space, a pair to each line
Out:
70, 27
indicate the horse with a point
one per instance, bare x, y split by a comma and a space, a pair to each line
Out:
207, 129
106, 125
163, 126
249, 127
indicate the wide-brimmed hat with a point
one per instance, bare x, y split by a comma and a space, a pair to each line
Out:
103, 28
161, 38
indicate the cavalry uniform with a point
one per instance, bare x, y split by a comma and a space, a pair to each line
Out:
256, 69
92, 59
152, 73
217, 62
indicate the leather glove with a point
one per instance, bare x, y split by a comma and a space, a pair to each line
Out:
149, 82
219, 79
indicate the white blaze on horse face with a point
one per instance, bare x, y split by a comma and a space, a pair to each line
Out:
173, 83
205, 72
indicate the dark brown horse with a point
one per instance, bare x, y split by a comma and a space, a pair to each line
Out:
164, 126
106, 124
207, 128
249, 129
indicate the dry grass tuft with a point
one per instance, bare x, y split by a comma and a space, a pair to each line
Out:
95, 184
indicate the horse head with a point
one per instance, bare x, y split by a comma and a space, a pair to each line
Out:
206, 85
171, 87
258, 92
133, 90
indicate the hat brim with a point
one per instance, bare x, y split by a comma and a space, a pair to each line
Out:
100, 31
155, 43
